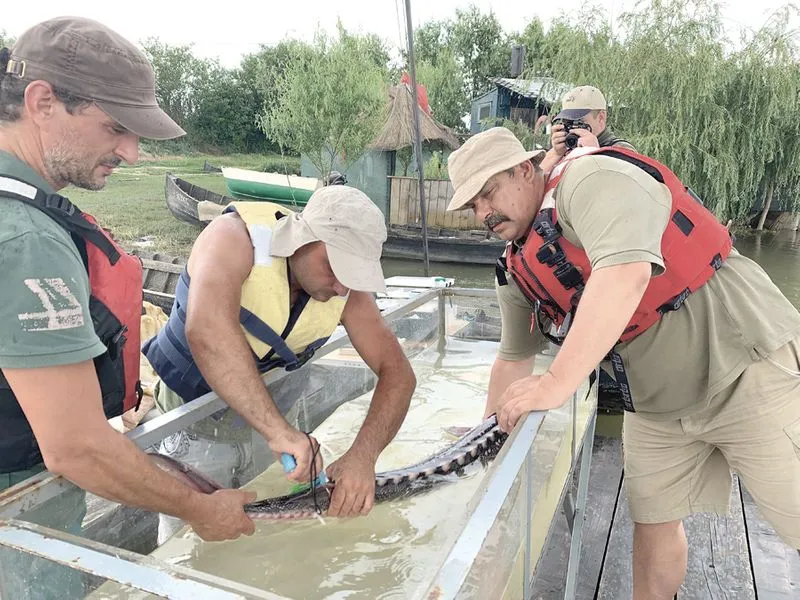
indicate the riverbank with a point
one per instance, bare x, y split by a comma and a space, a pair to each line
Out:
132, 204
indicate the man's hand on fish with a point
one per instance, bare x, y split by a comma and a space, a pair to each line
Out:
220, 516
529, 393
354, 493
302, 447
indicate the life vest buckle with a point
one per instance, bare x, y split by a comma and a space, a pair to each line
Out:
569, 276
550, 253
674, 303
302, 359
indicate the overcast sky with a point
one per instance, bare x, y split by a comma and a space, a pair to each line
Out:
229, 28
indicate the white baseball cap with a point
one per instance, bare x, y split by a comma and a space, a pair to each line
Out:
352, 229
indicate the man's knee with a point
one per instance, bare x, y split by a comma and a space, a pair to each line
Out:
660, 538
658, 529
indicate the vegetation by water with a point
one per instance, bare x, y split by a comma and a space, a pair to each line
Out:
713, 103
133, 207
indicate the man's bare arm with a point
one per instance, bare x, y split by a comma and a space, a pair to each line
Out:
219, 265
504, 373
64, 408
221, 261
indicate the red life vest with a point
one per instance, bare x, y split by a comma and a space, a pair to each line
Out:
552, 272
115, 279
115, 307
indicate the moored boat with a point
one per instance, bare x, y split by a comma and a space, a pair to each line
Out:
289, 190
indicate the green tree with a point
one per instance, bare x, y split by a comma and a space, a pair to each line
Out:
6, 40
225, 112
176, 70
481, 47
716, 114
329, 104
444, 82
430, 40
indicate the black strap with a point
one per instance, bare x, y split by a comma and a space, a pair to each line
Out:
622, 380
647, 168
269, 336
500, 270
551, 254
66, 214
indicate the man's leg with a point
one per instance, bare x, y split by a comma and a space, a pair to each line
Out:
660, 553
670, 473
758, 429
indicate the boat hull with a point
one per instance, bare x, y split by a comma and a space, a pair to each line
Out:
288, 190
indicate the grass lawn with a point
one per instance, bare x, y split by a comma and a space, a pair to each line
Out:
132, 205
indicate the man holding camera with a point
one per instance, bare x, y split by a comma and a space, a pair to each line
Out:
582, 121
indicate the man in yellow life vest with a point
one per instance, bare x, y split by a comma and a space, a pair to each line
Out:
265, 287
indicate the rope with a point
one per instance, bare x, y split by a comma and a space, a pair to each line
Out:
312, 472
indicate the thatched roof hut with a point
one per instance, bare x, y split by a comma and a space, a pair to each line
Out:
398, 130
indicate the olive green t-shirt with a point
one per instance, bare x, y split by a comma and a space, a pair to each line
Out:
608, 138
617, 214
44, 295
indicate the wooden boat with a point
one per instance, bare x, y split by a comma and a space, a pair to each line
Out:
191, 203
290, 190
444, 245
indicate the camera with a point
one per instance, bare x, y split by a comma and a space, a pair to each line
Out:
572, 140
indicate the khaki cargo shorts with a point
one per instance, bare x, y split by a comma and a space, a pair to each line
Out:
675, 468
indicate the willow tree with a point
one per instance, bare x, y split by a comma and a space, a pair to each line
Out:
329, 102
5, 39
720, 114
765, 99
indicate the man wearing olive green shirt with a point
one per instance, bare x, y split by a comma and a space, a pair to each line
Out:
712, 384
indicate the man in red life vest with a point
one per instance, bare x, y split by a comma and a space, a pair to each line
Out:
701, 342
75, 98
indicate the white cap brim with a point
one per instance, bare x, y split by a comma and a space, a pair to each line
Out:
356, 272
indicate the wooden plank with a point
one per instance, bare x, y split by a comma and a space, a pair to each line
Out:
394, 189
413, 200
604, 482
404, 202
437, 203
431, 215
719, 565
776, 565
451, 220
162, 266
616, 581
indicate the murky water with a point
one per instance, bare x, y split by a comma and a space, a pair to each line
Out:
778, 253
393, 553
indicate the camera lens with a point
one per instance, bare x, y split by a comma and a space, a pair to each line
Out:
571, 141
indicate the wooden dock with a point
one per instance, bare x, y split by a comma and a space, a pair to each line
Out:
735, 557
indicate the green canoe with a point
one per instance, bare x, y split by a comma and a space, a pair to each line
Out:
289, 190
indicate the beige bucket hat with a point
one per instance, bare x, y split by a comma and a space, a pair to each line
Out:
483, 155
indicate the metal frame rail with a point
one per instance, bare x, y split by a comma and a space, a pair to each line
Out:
171, 581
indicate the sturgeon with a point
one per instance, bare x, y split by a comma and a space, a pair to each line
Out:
479, 443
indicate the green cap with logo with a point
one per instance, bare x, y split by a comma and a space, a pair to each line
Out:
89, 60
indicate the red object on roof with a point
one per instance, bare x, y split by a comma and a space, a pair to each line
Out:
422, 92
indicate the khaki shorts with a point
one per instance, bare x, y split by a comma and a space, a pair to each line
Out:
675, 468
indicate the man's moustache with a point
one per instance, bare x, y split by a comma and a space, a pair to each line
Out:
494, 220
